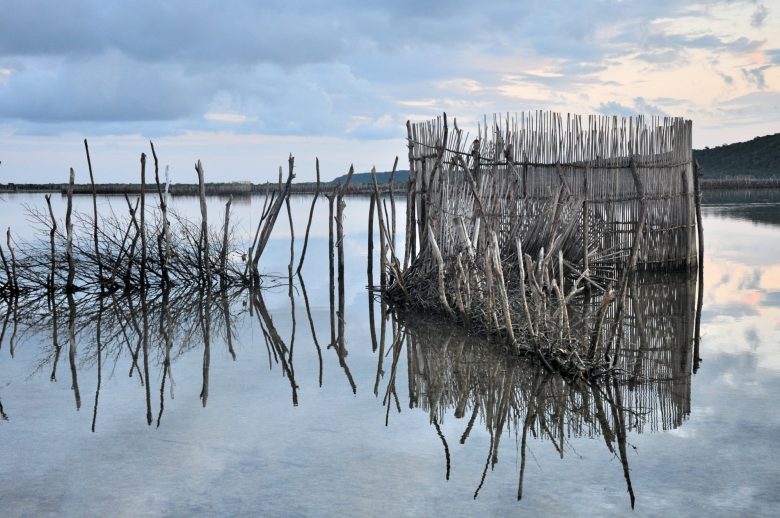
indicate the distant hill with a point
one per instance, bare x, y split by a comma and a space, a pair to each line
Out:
365, 178
759, 158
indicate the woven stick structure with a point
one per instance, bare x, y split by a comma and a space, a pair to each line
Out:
514, 226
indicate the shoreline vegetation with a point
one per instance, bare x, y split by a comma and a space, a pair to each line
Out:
248, 189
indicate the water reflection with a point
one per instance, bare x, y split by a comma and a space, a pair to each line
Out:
448, 373
454, 374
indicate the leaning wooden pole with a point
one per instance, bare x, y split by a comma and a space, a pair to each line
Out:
95, 217
311, 215
165, 237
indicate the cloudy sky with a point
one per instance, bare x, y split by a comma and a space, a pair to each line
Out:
241, 84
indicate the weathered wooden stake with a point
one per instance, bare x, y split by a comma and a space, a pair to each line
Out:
204, 229
95, 217
311, 215
69, 238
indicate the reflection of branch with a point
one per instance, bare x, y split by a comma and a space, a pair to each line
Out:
99, 355
621, 437
311, 325
454, 371
275, 340
205, 323
444, 443
72, 349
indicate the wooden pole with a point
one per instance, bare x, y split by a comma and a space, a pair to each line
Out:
142, 222
69, 238
14, 278
225, 234
311, 215
166, 236
52, 233
95, 217
204, 228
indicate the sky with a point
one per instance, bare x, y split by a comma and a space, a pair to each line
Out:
242, 84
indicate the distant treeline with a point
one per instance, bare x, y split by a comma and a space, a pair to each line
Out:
185, 189
757, 158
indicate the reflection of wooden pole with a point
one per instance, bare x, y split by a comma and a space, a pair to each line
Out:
99, 343
291, 365
700, 268
166, 330
311, 324
204, 315
74, 377
145, 348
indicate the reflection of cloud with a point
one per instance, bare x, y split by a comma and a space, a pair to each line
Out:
751, 280
734, 310
742, 292
752, 338
759, 15
771, 298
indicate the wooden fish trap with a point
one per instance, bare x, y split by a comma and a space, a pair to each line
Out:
506, 232
523, 164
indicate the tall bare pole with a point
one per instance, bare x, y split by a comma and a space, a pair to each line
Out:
94, 216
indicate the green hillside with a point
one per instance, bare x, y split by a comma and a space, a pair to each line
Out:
384, 177
758, 158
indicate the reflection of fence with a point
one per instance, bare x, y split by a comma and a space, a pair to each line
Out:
450, 371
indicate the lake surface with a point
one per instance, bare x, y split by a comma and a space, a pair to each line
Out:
291, 426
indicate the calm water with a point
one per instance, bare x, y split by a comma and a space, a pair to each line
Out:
292, 426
